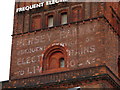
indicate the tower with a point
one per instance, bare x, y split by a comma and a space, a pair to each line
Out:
65, 45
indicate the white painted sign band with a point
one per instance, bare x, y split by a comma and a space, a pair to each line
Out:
41, 4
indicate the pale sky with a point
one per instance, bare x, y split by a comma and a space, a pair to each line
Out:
6, 28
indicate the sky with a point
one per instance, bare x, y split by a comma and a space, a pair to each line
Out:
6, 28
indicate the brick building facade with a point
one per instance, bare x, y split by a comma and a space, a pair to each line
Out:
66, 45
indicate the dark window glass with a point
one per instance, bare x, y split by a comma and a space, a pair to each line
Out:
62, 62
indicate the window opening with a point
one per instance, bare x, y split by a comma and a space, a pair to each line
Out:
64, 18
50, 21
62, 62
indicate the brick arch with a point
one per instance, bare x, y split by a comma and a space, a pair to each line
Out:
51, 58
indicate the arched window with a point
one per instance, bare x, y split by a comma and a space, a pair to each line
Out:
54, 58
49, 19
54, 61
63, 16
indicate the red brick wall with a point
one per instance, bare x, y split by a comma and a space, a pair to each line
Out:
111, 49
36, 22
89, 37
112, 13
88, 43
